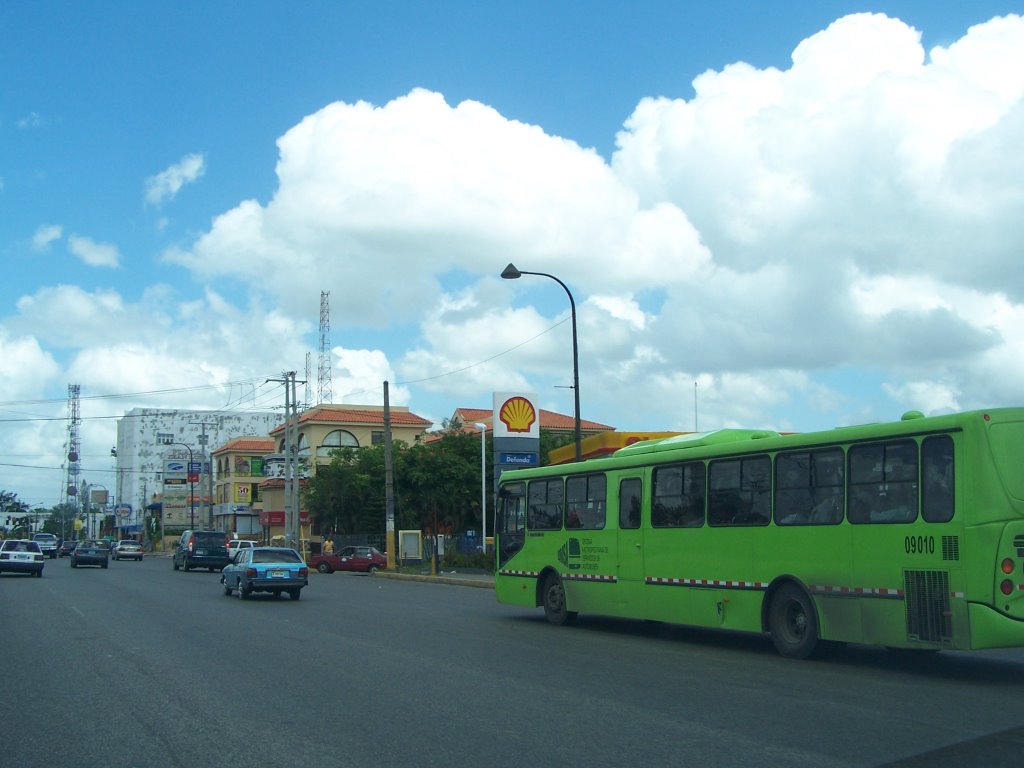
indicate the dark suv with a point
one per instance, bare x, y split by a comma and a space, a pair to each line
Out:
202, 549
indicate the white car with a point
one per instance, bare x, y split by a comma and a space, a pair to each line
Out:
127, 549
21, 556
236, 545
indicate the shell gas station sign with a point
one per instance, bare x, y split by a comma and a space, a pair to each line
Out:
516, 415
516, 425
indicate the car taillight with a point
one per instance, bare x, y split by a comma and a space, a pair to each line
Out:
1006, 587
190, 540
250, 573
38, 557
303, 572
1007, 566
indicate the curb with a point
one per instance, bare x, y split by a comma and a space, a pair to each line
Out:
463, 581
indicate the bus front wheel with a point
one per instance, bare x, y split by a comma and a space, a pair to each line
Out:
793, 623
554, 602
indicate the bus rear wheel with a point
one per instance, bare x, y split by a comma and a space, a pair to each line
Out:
793, 623
553, 595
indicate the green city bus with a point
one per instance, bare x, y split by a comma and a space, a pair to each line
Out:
906, 535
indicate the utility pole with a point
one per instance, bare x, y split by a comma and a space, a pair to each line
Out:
206, 459
297, 523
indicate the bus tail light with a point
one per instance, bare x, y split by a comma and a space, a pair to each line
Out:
1007, 566
1006, 587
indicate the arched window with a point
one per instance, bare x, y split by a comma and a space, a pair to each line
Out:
339, 438
303, 448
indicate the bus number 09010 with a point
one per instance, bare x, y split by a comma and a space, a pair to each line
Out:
919, 545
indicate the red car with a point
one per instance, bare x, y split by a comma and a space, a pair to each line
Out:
367, 559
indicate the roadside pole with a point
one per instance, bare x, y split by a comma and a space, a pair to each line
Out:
389, 484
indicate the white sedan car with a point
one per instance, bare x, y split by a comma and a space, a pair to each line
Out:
21, 556
127, 549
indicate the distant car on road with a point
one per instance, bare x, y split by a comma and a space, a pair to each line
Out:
367, 559
90, 552
266, 569
66, 547
21, 556
128, 549
236, 545
48, 543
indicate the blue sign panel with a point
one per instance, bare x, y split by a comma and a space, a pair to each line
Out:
518, 459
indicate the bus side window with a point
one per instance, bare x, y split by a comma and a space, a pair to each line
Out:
937, 479
809, 488
740, 491
585, 502
545, 505
678, 496
883, 482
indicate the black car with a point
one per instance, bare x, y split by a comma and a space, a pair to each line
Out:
67, 547
202, 549
90, 552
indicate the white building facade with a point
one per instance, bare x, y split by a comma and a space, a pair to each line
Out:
151, 439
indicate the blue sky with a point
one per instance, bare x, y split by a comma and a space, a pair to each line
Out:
812, 214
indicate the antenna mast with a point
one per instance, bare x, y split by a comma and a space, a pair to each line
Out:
323, 377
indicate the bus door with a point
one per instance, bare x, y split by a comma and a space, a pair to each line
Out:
630, 589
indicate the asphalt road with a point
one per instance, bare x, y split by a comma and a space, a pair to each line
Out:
142, 666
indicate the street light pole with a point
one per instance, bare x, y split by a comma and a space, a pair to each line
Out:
164, 438
511, 273
483, 485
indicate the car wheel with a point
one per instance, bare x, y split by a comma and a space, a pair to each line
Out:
39, 573
73, 563
323, 567
105, 564
373, 569
243, 592
174, 562
227, 589
276, 593
184, 564
294, 594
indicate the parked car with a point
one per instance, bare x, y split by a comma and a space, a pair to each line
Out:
48, 543
236, 545
21, 556
367, 559
201, 549
266, 569
91, 552
128, 549
66, 547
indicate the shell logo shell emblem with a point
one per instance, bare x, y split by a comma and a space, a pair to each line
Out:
517, 414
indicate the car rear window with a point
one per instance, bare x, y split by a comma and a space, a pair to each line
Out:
275, 556
209, 539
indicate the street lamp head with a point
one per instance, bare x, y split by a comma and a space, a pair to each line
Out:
511, 273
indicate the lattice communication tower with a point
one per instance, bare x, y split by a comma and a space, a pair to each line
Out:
323, 374
70, 494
